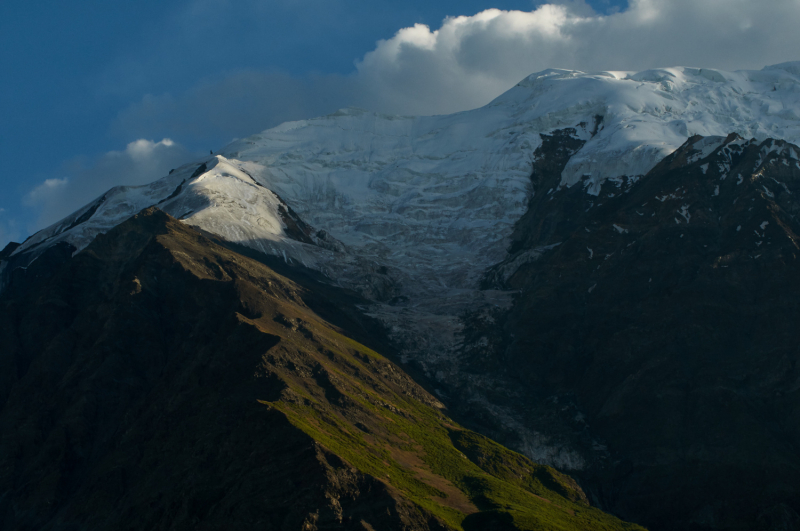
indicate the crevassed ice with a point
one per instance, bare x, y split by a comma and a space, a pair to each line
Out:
436, 197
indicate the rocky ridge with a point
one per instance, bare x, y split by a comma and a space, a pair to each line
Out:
158, 380
453, 229
653, 332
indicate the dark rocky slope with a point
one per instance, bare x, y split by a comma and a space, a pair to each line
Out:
656, 329
159, 380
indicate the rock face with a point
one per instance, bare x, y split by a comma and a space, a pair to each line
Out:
572, 269
159, 380
433, 200
662, 316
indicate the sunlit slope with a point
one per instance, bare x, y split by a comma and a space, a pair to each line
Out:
162, 380
434, 199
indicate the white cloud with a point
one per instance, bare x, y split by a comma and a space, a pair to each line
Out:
141, 162
469, 60
463, 64
142, 150
45, 191
234, 105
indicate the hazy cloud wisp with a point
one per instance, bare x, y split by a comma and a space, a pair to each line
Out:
470, 60
9, 229
235, 105
463, 64
141, 162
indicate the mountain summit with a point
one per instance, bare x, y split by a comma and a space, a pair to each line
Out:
596, 269
160, 380
434, 199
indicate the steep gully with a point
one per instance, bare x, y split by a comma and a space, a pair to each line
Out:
641, 338
654, 333
650, 346
166, 379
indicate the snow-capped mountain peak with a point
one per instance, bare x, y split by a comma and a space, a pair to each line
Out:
433, 200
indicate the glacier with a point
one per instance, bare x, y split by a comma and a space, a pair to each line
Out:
434, 198
411, 211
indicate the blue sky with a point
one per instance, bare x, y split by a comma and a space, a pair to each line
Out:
91, 90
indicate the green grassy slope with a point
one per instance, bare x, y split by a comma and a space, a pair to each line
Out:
164, 381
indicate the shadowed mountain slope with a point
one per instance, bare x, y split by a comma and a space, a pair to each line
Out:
158, 380
662, 316
571, 269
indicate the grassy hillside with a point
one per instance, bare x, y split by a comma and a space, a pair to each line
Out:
164, 381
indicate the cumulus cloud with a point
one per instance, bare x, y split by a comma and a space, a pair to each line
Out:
462, 64
469, 60
141, 162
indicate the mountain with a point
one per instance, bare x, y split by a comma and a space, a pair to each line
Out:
433, 200
159, 380
661, 316
503, 250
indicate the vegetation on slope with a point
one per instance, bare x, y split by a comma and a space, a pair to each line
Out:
368, 412
165, 381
